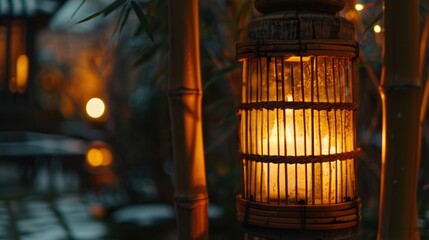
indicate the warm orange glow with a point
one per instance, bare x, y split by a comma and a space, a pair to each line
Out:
300, 133
107, 156
94, 157
95, 107
359, 7
377, 29
97, 157
297, 59
21, 72
297, 146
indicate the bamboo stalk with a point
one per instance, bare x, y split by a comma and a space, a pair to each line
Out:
185, 96
425, 96
401, 98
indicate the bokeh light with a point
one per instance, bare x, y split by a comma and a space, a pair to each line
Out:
359, 7
377, 28
99, 154
107, 156
95, 107
94, 157
22, 72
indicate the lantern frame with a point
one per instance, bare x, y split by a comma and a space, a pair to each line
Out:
305, 36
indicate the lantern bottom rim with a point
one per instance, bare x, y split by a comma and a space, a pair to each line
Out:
287, 234
299, 217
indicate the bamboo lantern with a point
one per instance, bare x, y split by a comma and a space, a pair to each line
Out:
297, 122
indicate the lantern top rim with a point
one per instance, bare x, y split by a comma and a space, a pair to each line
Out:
302, 26
325, 6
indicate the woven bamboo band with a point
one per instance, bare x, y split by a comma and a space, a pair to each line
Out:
294, 26
300, 217
300, 159
328, 6
273, 48
298, 33
318, 106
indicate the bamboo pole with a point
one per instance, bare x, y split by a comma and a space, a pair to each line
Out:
185, 96
400, 94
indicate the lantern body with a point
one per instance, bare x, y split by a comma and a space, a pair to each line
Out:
296, 130
297, 124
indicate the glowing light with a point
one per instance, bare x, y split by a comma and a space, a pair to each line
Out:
94, 157
97, 157
359, 7
297, 134
107, 156
297, 59
21, 72
377, 28
95, 107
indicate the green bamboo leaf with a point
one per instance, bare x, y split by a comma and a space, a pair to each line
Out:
108, 9
91, 16
112, 7
219, 75
77, 9
142, 18
119, 20
222, 138
423, 11
245, 11
124, 19
147, 54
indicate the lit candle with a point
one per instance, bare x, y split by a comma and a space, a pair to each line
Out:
279, 135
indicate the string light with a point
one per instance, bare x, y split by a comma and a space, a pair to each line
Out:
377, 28
95, 107
359, 7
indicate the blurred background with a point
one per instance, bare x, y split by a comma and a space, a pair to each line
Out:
85, 141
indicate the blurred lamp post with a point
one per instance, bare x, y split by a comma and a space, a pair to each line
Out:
13, 60
297, 122
19, 24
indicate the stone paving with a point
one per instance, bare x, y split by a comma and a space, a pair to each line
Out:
37, 218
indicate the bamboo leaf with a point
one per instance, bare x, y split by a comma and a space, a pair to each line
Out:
219, 75
112, 7
108, 9
124, 20
423, 8
91, 16
243, 17
372, 22
146, 55
119, 20
142, 18
221, 138
245, 11
77, 9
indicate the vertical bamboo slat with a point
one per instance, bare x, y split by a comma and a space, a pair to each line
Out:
185, 96
401, 94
